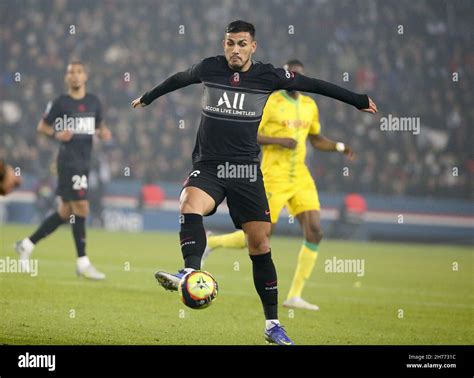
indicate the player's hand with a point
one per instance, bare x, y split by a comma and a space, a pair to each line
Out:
289, 143
372, 107
137, 103
64, 136
105, 133
349, 153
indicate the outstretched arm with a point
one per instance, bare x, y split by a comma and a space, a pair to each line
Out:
321, 143
178, 80
296, 82
289, 143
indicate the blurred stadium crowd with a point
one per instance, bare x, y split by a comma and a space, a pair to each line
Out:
402, 53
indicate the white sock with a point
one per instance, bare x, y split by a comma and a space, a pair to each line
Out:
189, 270
83, 262
270, 323
27, 245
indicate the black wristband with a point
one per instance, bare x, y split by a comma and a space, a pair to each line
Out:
143, 100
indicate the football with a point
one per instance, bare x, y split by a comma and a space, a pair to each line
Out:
197, 289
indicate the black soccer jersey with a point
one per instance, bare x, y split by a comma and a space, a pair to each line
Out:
233, 102
81, 116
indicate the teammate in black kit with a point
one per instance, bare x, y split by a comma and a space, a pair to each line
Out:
72, 119
236, 89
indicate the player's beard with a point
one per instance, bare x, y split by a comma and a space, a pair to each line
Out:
238, 67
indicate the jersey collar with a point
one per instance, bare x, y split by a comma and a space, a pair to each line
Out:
289, 98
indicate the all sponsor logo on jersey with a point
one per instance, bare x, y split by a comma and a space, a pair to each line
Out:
232, 104
238, 101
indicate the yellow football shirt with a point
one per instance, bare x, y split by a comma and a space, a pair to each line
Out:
285, 117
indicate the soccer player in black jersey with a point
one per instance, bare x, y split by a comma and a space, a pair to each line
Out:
72, 119
236, 89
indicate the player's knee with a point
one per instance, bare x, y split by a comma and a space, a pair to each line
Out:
258, 244
64, 211
80, 208
64, 214
186, 207
258, 248
314, 234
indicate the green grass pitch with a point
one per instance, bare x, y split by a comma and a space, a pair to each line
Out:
129, 307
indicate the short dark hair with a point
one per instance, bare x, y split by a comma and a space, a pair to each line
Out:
294, 62
76, 61
240, 26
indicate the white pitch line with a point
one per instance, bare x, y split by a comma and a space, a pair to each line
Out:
311, 284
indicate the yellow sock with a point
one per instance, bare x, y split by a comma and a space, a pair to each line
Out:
233, 240
306, 260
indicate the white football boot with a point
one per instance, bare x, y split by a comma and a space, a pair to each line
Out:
85, 269
24, 248
298, 302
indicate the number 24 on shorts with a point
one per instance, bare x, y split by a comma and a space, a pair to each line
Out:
79, 182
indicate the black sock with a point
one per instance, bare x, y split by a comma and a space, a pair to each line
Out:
265, 280
79, 232
50, 224
193, 240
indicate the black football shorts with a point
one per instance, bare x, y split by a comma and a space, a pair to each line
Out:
242, 185
72, 183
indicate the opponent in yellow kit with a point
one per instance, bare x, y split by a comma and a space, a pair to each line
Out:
289, 119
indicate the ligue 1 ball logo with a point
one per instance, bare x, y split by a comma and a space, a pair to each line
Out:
198, 289
235, 79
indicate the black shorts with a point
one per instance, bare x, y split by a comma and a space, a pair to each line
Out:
72, 183
240, 183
